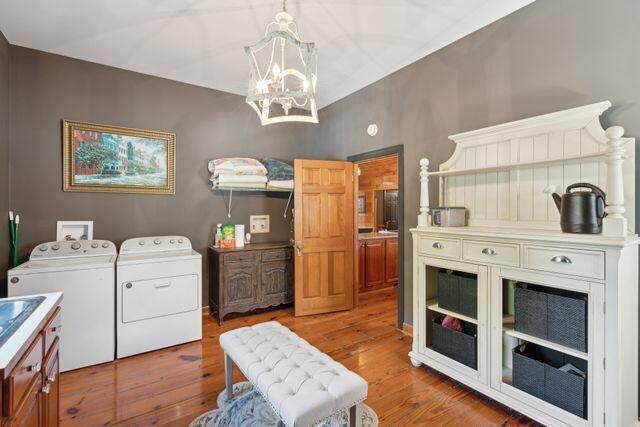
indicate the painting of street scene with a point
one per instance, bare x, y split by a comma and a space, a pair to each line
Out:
104, 158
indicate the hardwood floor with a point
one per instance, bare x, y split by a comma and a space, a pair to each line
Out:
173, 386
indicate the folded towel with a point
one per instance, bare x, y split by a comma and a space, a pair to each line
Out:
256, 185
278, 170
237, 165
225, 178
285, 185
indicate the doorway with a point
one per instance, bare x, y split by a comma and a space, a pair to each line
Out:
380, 222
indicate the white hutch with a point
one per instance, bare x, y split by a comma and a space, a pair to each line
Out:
513, 237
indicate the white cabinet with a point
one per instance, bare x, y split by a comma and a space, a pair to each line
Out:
611, 305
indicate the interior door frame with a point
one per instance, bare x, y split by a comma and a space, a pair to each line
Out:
399, 150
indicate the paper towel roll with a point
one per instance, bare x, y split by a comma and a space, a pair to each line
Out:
239, 235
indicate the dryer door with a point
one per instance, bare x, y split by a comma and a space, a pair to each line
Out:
146, 299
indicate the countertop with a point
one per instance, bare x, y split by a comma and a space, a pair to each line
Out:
29, 329
376, 235
254, 247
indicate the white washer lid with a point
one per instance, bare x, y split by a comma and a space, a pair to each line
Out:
64, 264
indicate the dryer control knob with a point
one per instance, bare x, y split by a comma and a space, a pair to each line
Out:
180, 240
105, 245
128, 285
94, 245
75, 246
55, 247
141, 242
15, 280
172, 241
156, 242
43, 248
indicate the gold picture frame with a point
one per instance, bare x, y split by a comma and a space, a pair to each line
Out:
114, 159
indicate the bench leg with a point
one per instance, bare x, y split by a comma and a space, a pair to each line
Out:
355, 415
228, 375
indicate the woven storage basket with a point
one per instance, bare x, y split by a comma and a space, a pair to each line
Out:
556, 315
536, 371
458, 293
459, 346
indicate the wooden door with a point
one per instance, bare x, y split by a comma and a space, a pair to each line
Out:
391, 261
324, 213
374, 263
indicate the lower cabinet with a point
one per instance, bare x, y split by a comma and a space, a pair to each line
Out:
259, 275
31, 391
378, 263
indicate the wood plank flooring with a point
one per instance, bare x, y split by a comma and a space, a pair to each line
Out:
173, 386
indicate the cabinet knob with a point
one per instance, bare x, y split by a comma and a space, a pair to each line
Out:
56, 328
51, 378
46, 389
561, 259
36, 367
489, 251
299, 248
437, 245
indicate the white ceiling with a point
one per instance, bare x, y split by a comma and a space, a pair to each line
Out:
200, 41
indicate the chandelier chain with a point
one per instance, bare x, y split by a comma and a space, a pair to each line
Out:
284, 5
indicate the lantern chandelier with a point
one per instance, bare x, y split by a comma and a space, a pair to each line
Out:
283, 74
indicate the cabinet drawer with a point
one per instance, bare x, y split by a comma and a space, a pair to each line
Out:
494, 253
276, 255
447, 248
23, 375
239, 257
52, 330
567, 261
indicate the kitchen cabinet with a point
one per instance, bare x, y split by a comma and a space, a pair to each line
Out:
391, 260
259, 275
378, 263
30, 386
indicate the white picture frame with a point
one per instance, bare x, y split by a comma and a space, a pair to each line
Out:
74, 230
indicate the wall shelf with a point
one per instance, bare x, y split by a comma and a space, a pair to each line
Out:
433, 306
280, 193
535, 340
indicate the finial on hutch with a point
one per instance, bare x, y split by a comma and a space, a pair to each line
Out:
424, 219
615, 223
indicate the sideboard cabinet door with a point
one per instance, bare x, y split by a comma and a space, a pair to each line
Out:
240, 284
277, 280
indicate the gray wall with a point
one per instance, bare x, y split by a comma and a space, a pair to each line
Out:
548, 56
47, 88
4, 154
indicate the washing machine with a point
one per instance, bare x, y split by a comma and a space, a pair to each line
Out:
158, 294
84, 271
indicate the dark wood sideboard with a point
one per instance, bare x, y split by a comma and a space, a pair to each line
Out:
259, 275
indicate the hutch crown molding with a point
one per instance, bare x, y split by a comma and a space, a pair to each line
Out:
513, 249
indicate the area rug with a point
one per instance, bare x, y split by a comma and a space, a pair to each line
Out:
247, 408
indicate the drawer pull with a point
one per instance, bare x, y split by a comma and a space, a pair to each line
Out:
489, 251
437, 245
36, 367
46, 389
51, 378
561, 259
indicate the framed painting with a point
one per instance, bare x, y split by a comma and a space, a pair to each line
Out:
113, 159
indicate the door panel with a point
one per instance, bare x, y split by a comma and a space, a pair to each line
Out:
324, 223
391, 261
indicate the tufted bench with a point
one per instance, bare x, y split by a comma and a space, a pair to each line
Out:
303, 385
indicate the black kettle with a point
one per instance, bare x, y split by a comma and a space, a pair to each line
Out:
581, 211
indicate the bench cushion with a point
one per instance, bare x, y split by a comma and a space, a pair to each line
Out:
302, 384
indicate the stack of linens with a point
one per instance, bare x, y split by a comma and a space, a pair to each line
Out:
280, 174
237, 172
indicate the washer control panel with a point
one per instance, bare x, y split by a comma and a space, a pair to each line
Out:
73, 248
155, 244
